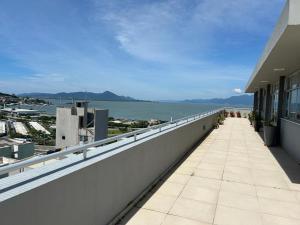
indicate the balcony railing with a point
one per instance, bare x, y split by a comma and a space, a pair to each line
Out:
83, 149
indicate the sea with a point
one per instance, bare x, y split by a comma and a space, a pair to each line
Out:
134, 110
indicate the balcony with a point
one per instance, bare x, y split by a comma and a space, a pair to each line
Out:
166, 176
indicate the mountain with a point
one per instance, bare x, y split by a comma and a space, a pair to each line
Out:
7, 95
241, 100
105, 96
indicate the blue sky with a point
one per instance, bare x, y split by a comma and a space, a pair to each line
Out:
159, 49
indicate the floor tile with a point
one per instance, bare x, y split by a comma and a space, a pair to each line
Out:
203, 212
232, 216
185, 170
179, 178
240, 201
204, 182
170, 189
276, 194
208, 173
269, 179
158, 202
175, 220
236, 187
238, 174
276, 220
280, 208
210, 166
145, 217
202, 194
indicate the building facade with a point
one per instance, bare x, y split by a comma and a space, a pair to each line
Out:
18, 150
276, 80
79, 124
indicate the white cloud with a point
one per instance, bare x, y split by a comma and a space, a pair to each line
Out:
172, 30
237, 91
180, 35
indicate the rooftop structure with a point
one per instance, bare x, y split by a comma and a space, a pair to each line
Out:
79, 124
38, 127
276, 83
16, 149
3, 128
20, 112
20, 128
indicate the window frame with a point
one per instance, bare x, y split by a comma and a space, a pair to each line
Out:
293, 86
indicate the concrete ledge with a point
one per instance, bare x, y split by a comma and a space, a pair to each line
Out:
98, 189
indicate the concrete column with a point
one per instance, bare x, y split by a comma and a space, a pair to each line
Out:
280, 105
261, 102
268, 103
255, 103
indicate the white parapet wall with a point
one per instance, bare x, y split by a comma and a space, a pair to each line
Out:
38, 127
96, 190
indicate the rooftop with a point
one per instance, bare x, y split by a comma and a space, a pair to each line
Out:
283, 42
231, 178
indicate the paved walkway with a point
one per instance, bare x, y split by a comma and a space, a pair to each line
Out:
230, 179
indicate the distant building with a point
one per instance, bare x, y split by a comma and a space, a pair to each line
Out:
4, 161
16, 149
3, 130
153, 122
79, 124
20, 112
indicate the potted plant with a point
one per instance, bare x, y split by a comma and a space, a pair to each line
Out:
269, 133
226, 114
221, 119
250, 118
256, 121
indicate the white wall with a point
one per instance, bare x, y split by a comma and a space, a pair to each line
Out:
95, 194
290, 140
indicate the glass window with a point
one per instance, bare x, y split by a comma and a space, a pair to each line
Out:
275, 96
293, 97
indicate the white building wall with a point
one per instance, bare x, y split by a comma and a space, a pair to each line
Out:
67, 126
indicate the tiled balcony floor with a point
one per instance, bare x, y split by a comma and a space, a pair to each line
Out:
230, 179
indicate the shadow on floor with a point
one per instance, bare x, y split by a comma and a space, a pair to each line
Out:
286, 161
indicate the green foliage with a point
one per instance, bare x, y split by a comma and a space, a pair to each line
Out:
221, 119
2, 116
41, 138
116, 125
114, 132
140, 124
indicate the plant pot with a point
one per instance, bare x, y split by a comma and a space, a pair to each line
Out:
256, 125
269, 135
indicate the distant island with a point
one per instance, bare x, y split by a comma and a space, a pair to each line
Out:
240, 100
7, 95
105, 96
13, 99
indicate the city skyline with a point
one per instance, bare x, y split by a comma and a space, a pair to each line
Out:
147, 49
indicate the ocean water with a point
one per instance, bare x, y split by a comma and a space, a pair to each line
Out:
136, 110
